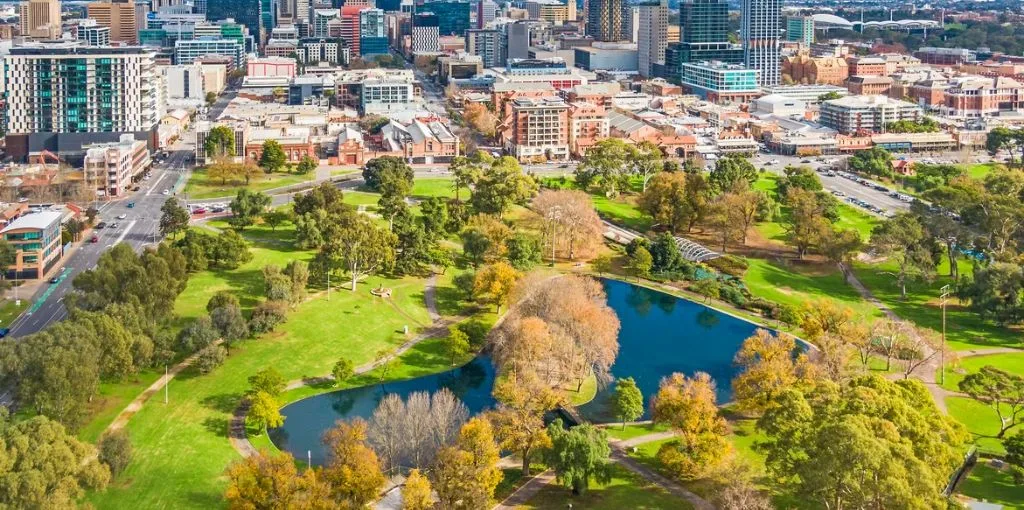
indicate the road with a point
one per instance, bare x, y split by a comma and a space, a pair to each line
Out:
139, 228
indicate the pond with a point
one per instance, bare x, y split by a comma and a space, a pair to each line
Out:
661, 334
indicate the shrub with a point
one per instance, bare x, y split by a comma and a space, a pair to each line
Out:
733, 295
210, 358
729, 264
476, 331
464, 284
267, 315
115, 450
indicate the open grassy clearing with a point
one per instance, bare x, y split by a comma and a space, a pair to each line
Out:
632, 430
955, 372
626, 490
201, 186
986, 483
964, 328
981, 421
794, 283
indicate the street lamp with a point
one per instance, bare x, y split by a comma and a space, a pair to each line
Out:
942, 348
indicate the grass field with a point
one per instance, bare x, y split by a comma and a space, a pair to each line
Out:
10, 311
981, 421
964, 328
626, 490
622, 211
986, 483
632, 431
850, 217
200, 186
1010, 362
795, 285
980, 170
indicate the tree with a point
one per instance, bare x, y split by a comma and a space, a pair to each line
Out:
646, 161
211, 98
729, 171
828, 96
840, 246
1001, 390
266, 316
44, 466
465, 172
503, 185
276, 285
343, 370
688, 407
456, 344
578, 455
902, 240
519, 418
230, 323
767, 367
352, 470
387, 168
274, 218
298, 273
819, 444
115, 450
806, 225
640, 263
410, 433
264, 412
435, 217
219, 299
272, 158
665, 200
570, 221
481, 119
416, 492
395, 184
219, 142
465, 475
665, 254
359, 246
605, 164
493, 284
197, 335
210, 358
823, 317
874, 161
523, 251
306, 165
1014, 446
173, 218
268, 380
485, 239
386, 360
272, 482
627, 401
246, 207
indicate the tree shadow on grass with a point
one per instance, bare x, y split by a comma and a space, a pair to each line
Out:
831, 285
246, 285
217, 425
449, 300
223, 402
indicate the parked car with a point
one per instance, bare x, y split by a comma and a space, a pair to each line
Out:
4, 332
165, 192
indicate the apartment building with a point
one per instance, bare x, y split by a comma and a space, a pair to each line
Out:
92, 33
35, 238
124, 18
869, 85
868, 114
189, 52
110, 168
588, 124
867, 66
61, 95
979, 96
538, 129
39, 19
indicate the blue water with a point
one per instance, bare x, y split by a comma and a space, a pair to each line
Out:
660, 334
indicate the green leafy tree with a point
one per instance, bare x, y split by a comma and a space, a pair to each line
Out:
219, 299
903, 241
1000, 390
197, 335
523, 251
646, 161
456, 344
994, 292
730, 170
607, 165
343, 370
828, 96
387, 168
665, 200
273, 158
665, 255
627, 401
875, 161
357, 245
268, 380
210, 358
264, 412
115, 450
579, 455
306, 165
640, 263
211, 98
465, 173
275, 218
503, 185
173, 218
219, 142
247, 207
230, 323
229, 250
435, 217
1014, 446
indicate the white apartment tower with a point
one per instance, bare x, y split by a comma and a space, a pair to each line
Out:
760, 27
652, 36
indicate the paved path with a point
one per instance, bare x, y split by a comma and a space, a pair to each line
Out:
646, 438
619, 455
526, 492
133, 407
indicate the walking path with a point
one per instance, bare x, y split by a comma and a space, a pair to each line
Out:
526, 492
622, 457
646, 438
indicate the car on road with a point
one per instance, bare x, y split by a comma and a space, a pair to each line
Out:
838, 193
199, 210
94, 239
131, 205
217, 210
22, 200
122, 216
113, 225
165, 192
4, 332
54, 280
101, 225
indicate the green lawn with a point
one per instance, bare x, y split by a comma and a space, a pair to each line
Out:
434, 187
626, 490
986, 483
850, 217
632, 431
1010, 362
112, 399
622, 211
980, 170
964, 328
981, 421
10, 311
200, 186
795, 284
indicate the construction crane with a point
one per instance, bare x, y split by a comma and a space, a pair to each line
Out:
44, 154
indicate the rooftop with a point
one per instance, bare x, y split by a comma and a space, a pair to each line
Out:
38, 221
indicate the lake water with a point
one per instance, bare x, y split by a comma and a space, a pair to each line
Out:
661, 334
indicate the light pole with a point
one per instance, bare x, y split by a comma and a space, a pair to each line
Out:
942, 347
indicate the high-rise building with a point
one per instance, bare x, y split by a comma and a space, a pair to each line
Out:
90, 32
39, 19
759, 30
321, 17
61, 95
124, 18
604, 20
487, 44
188, 52
516, 40
630, 22
705, 32
373, 37
269, 13
800, 29
486, 11
350, 26
652, 36
246, 12
425, 33
452, 17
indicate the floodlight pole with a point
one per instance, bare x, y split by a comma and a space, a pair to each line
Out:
942, 347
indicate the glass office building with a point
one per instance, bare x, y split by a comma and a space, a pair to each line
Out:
453, 17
